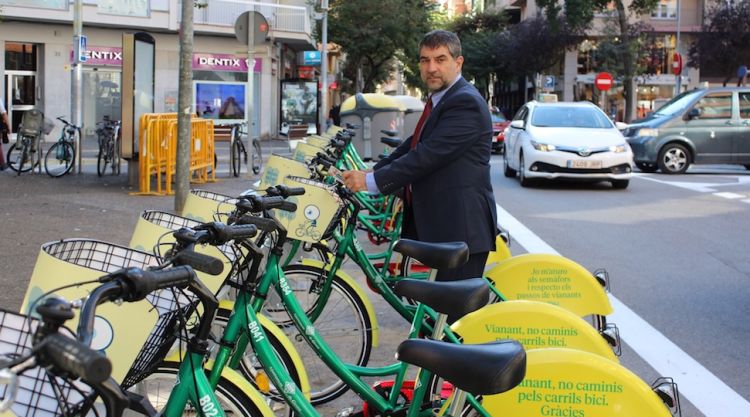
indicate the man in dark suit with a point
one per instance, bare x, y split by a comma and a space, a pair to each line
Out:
444, 167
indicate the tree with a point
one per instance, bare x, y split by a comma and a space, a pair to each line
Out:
724, 43
374, 34
480, 35
619, 40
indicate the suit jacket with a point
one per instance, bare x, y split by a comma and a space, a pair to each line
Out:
449, 171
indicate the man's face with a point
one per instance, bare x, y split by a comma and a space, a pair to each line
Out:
438, 68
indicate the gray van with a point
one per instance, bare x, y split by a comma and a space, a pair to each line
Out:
702, 126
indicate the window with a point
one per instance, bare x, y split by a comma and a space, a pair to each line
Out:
715, 106
665, 9
744, 105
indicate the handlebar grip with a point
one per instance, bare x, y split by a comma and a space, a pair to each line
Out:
288, 206
146, 282
262, 223
75, 358
287, 191
271, 202
238, 231
200, 262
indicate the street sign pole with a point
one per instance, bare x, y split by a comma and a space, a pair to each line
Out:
678, 77
77, 79
324, 69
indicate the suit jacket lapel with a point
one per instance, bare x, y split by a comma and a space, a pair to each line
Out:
434, 116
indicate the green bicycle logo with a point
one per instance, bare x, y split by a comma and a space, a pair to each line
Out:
310, 227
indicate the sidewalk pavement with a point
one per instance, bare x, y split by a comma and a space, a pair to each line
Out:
37, 209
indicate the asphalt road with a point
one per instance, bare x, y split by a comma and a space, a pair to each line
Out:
675, 248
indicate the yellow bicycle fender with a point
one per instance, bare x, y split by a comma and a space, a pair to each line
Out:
357, 288
535, 324
501, 252
552, 279
147, 234
237, 379
271, 327
573, 383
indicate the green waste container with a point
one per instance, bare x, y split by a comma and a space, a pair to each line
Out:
371, 113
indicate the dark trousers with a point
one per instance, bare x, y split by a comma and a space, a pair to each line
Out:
474, 268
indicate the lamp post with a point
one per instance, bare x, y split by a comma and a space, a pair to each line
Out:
76, 106
324, 67
678, 76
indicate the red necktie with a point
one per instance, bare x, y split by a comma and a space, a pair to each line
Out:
415, 139
418, 130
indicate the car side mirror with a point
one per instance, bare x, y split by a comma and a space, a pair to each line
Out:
621, 125
694, 113
518, 124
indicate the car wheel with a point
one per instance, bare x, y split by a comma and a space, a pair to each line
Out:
525, 181
508, 171
620, 184
674, 159
646, 167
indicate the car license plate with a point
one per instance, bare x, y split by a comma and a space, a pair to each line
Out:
585, 164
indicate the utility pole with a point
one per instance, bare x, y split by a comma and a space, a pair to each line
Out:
677, 49
76, 79
324, 68
184, 106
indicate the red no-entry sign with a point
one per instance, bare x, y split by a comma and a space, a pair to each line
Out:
676, 64
603, 81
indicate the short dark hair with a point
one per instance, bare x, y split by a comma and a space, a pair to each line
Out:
438, 38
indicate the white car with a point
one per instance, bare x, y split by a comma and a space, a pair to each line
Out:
566, 140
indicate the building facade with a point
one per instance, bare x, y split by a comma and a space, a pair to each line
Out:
37, 63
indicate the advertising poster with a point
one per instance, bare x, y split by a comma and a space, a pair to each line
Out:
220, 100
299, 101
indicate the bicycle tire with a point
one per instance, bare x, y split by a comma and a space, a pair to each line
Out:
59, 162
344, 324
236, 157
158, 386
115, 163
101, 160
256, 159
14, 160
249, 366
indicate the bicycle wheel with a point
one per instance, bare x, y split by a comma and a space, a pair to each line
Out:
158, 386
236, 156
102, 159
18, 159
344, 324
60, 159
256, 160
250, 367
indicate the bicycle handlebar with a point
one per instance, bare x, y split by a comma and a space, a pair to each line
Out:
199, 262
284, 191
129, 284
74, 358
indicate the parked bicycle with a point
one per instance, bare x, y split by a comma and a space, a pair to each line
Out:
238, 152
25, 154
108, 137
61, 156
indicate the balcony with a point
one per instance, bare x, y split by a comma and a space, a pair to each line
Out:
288, 24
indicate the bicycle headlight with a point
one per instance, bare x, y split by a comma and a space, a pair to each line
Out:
648, 131
543, 147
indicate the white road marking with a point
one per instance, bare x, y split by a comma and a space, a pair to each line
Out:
703, 389
731, 196
747, 200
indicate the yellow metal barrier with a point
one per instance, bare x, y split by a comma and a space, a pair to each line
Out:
158, 152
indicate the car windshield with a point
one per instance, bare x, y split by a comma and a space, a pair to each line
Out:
570, 116
678, 104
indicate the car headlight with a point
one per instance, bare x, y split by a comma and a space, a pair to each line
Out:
544, 147
648, 131
618, 148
